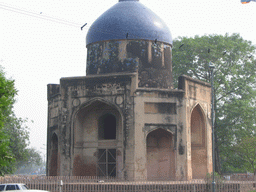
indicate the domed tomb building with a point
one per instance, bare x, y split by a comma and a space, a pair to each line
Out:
124, 119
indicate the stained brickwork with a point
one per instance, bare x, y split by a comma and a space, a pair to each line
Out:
152, 60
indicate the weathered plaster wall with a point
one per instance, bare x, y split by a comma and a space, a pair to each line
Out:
197, 94
79, 99
53, 148
150, 116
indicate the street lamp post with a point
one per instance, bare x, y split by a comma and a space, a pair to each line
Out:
211, 66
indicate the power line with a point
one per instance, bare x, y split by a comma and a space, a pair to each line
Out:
62, 21
32, 14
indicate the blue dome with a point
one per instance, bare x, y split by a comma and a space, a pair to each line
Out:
128, 19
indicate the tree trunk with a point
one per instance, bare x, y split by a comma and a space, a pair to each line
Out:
217, 159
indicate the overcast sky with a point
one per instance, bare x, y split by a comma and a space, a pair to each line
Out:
42, 41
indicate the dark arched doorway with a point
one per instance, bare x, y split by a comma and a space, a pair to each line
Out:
160, 155
54, 156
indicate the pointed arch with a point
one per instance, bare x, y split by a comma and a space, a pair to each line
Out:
198, 126
96, 100
97, 125
156, 127
198, 143
160, 155
54, 162
199, 106
106, 111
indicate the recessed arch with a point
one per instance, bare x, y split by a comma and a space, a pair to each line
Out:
97, 126
54, 161
96, 100
105, 113
198, 143
160, 155
149, 129
198, 106
198, 127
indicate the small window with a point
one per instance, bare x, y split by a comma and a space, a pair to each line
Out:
10, 187
107, 127
2, 187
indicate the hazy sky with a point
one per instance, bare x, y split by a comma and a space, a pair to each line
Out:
42, 41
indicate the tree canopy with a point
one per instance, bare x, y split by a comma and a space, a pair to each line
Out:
245, 149
14, 134
234, 86
7, 93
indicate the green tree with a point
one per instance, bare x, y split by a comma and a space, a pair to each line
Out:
18, 134
234, 86
7, 93
30, 164
14, 134
246, 150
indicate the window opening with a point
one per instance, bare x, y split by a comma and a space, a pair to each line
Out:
2, 187
107, 162
10, 187
107, 127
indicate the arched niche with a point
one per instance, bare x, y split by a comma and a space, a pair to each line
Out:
198, 143
54, 161
160, 155
97, 126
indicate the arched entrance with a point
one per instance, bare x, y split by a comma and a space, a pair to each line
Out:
97, 140
198, 144
54, 164
160, 155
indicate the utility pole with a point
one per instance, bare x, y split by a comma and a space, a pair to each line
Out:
211, 66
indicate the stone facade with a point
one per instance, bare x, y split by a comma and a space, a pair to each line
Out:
160, 133
125, 120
